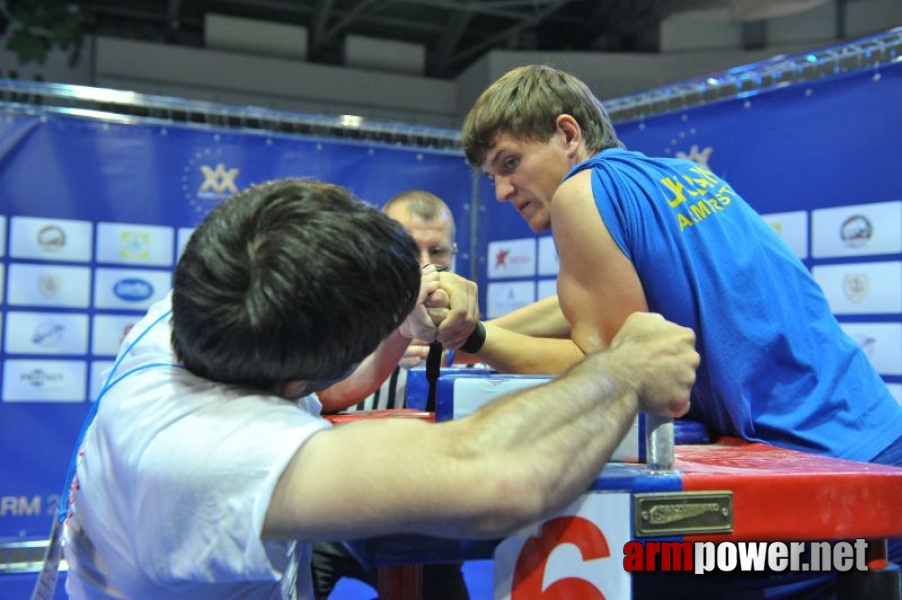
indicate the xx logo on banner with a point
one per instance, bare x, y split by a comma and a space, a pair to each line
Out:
568, 556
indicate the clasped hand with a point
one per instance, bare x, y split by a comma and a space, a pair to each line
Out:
446, 311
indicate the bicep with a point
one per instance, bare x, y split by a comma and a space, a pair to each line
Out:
598, 286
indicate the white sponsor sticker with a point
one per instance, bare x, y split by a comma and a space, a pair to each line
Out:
896, 390
61, 240
546, 288
2, 235
792, 228
130, 288
109, 331
579, 549
121, 243
501, 298
858, 230
549, 262
49, 285
46, 333
881, 343
512, 258
862, 288
44, 380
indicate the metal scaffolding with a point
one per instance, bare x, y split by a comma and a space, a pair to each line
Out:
777, 72
866, 53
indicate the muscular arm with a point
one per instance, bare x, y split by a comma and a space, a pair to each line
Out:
598, 286
542, 318
367, 377
529, 453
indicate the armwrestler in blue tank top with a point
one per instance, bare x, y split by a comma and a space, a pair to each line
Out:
776, 366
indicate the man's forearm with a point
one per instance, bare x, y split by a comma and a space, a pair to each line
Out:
548, 443
510, 352
368, 375
542, 318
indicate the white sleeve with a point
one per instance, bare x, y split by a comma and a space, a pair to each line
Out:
205, 488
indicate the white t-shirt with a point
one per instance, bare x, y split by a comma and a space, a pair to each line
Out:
174, 479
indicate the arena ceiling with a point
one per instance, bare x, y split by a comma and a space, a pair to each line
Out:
455, 33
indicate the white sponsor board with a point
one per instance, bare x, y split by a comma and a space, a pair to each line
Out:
46, 333
44, 380
122, 243
109, 331
130, 288
546, 288
48, 285
577, 553
792, 228
61, 240
549, 262
511, 258
881, 342
501, 298
862, 288
859, 230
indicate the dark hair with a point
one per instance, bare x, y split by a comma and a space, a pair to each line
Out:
293, 279
525, 103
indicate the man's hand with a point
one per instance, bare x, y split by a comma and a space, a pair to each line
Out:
454, 307
419, 324
658, 360
415, 355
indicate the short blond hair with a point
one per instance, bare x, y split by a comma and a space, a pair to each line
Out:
422, 204
525, 103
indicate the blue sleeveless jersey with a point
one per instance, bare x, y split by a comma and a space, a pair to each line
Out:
776, 366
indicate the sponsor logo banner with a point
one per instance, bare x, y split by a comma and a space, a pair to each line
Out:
546, 288
512, 258
134, 244
792, 228
46, 333
129, 288
109, 331
881, 342
862, 288
860, 230
44, 380
501, 298
549, 262
61, 240
49, 285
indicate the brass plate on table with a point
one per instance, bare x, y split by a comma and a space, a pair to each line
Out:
682, 513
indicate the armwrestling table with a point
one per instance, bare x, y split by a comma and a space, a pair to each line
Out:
729, 490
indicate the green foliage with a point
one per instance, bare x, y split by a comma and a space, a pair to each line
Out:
33, 28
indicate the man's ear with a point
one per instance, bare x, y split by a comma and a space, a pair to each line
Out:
572, 132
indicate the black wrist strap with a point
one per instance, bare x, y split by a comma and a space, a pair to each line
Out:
475, 341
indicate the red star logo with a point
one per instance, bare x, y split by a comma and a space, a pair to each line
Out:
501, 258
